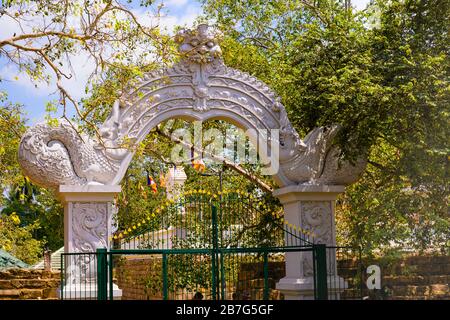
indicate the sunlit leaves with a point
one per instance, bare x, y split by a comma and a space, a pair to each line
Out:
383, 75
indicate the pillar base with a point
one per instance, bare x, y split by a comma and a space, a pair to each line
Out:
83, 291
303, 288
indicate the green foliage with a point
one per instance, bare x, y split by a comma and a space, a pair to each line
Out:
404, 195
316, 58
383, 75
39, 212
19, 240
383, 209
12, 127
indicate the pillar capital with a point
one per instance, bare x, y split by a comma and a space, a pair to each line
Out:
87, 193
88, 216
304, 192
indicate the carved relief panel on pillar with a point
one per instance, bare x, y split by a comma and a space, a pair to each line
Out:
317, 217
90, 226
89, 222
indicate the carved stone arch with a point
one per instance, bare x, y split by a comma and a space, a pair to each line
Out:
87, 172
199, 87
186, 114
226, 94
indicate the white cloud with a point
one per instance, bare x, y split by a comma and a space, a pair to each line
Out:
360, 4
82, 65
170, 3
168, 19
187, 19
10, 73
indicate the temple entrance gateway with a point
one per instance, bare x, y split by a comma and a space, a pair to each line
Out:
87, 172
198, 245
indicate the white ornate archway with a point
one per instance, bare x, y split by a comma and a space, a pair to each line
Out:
199, 87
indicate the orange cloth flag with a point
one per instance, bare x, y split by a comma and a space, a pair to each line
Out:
198, 165
152, 184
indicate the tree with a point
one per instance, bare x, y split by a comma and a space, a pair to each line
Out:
19, 240
37, 209
404, 195
12, 127
383, 75
50, 32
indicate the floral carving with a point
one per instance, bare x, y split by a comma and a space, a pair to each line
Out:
317, 216
90, 225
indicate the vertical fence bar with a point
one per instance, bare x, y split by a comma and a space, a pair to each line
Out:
320, 256
222, 276
165, 280
214, 251
361, 272
110, 278
313, 253
102, 290
266, 276
62, 274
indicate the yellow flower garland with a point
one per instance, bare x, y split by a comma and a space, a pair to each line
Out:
260, 204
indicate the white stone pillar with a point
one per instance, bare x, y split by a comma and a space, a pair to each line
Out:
312, 208
88, 214
175, 179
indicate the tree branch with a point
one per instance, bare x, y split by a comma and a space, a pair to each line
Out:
252, 177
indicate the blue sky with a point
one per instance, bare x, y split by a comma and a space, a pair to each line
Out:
21, 90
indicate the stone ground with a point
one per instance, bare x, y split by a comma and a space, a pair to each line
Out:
411, 278
28, 284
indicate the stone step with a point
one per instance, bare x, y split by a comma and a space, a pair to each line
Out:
412, 290
447, 297
352, 292
21, 294
257, 294
29, 283
426, 260
28, 274
415, 280
419, 270
255, 283
400, 280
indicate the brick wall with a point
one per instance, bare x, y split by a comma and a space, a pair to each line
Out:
415, 277
140, 279
137, 276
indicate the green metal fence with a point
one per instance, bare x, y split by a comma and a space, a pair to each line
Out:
238, 220
225, 273
345, 273
79, 279
186, 274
